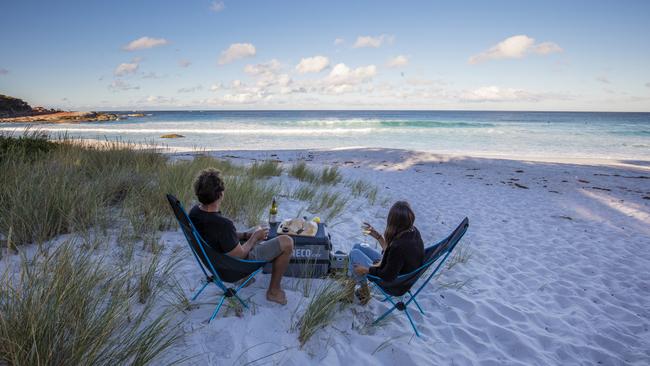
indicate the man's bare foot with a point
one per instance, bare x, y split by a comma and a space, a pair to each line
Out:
276, 296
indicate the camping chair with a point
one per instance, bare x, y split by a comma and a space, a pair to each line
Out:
218, 268
403, 283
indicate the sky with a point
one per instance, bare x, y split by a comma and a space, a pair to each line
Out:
240, 54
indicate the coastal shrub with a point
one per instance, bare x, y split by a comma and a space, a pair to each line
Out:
68, 308
265, 169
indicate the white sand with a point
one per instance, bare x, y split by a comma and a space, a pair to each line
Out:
559, 272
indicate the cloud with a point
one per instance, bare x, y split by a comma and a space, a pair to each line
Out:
216, 87
184, 63
3, 71
236, 51
339, 41
344, 79
497, 94
145, 42
126, 68
603, 79
191, 89
398, 61
157, 99
312, 64
121, 85
217, 6
263, 68
515, 47
370, 41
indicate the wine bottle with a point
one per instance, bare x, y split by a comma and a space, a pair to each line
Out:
273, 212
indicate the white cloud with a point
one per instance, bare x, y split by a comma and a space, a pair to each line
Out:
343, 79
496, 94
126, 68
263, 68
217, 6
370, 41
216, 87
121, 85
603, 79
398, 61
157, 99
339, 41
236, 51
145, 42
312, 64
3, 71
546, 48
184, 63
191, 89
515, 47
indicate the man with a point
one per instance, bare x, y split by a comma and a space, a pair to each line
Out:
220, 233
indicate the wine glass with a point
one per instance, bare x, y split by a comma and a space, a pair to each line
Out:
365, 230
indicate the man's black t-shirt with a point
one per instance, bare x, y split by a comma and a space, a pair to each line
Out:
218, 231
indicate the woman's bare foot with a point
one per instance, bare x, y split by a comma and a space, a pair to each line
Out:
276, 296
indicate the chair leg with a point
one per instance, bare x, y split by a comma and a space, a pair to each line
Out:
406, 310
241, 301
200, 290
384, 315
217, 309
416, 303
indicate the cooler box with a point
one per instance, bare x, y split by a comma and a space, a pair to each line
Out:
311, 255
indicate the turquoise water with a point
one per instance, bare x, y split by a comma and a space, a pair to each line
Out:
512, 134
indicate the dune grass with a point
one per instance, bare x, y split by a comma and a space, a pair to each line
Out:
265, 169
330, 175
303, 173
65, 186
362, 188
68, 308
324, 303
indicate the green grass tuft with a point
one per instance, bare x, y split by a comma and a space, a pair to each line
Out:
265, 169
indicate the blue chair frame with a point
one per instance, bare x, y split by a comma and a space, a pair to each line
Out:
254, 265
432, 254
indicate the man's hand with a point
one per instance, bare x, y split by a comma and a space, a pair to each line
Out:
259, 235
360, 270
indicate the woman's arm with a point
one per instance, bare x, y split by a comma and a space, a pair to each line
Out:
377, 236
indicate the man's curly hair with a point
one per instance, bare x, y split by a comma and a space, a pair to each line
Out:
208, 186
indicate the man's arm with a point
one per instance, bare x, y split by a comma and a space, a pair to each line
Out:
242, 250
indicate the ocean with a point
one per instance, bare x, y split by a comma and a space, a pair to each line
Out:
508, 134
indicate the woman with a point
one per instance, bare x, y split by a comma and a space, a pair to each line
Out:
402, 249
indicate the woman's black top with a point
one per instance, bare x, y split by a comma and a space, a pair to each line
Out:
403, 255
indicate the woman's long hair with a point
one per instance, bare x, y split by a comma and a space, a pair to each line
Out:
400, 220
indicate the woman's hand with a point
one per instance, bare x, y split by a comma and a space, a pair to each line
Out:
360, 270
374, 233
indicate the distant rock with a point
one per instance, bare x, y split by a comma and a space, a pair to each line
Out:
64, 117
171, 136
13, 107
16, 110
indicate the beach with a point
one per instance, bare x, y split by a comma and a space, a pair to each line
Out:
557, 273
553, 267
